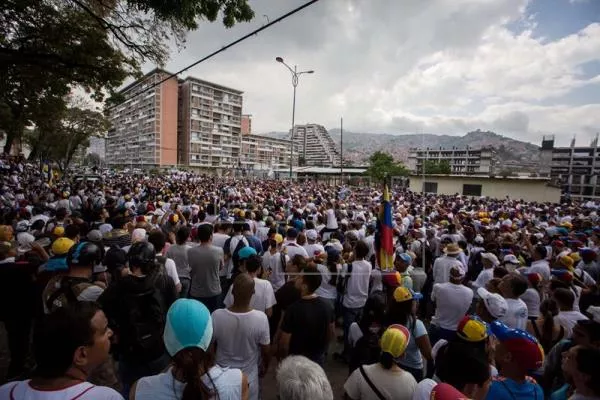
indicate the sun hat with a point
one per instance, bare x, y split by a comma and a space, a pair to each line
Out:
402, 294
246, 252
452, 249
525, 348
62, 246
472, 329
444, 391
494, 303
311, 234
395, 340
188, 324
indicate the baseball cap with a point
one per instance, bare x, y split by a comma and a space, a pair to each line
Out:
566, 262
278, 238
311, 234
402, 294
246, 252
58, 231
94, 235
534, 278
404, 257
511, 259
392, 279
444, 391
525, 348
472, 329
62, 246
188, 325
491, 257
494, 303
395, 340
562, 275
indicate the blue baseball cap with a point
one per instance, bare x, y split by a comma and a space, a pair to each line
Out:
404, 257
188, 325
246, 252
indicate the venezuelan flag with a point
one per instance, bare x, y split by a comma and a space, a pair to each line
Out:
384, 243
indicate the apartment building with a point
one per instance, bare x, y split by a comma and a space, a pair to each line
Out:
315, 146
246, 124
266, 153
143, 129
98, 146
463, 161
575, 169
209, 125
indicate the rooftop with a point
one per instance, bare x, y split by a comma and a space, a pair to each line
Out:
216, 85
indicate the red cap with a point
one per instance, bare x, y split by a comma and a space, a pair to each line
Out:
443, 391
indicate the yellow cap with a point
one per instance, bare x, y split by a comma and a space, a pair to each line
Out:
278, 238
395, 340
58, 231
575, 256
567, 262
62, 246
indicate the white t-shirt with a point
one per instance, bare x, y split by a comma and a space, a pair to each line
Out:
292, 249
314, 249
452, 303
262, 299
376, 280
516, 314
357, 290
23, 391
242, 349
531, 298
172, 270
273, 262
424, 389
568, 319
326, 290
219, 239
540, 267
483, 278
397, 385
442, 266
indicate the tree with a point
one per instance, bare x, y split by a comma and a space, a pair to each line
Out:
47, 47
437, 168
382, 167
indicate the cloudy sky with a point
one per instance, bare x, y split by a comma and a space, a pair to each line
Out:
523, 68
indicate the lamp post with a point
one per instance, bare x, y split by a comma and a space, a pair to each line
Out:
295, 75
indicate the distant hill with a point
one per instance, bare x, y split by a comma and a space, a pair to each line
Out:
359, 146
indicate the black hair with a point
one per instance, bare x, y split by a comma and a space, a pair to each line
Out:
72, 231
253, 263
191, 361
500, 272
402, 313
238, 227
311, 278
182, 234
361, 250
59, 334
158, 240
518, 284
204, 233
541, 251
549, 310
587, 360
462, 364
564, 297
373, 311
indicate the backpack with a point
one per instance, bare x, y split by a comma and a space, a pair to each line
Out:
141, 337
67, 288
235, 255
366, 350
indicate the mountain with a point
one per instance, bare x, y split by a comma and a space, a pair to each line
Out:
359, 146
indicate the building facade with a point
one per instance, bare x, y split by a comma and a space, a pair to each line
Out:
209, 125
98, 146
464, 161
575, 169
316, 146
266, 153
143, 129
246, 124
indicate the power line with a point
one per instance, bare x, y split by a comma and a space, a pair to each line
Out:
231, 44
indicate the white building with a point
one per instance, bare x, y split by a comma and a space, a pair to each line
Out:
463, 161
316, 146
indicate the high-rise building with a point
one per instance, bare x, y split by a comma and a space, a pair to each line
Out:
463, 161
143, 129
98, 146
246, 124
209, 125
315, 146
576, 169
266, 153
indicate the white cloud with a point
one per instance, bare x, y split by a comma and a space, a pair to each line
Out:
440, 66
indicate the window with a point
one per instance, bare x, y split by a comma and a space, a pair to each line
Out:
471, 190
430, 187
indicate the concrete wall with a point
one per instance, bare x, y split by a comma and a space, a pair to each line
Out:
498, 188
168, 123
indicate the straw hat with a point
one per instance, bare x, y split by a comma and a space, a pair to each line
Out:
452, 249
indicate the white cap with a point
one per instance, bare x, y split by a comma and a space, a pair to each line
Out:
511, 258
494, 303
479, 239
311, 234
492, 257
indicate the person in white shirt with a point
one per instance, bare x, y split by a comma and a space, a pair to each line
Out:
452, 300
291, 247
511, 288
263, 298
356, 287
567, 317
532, 296
489, 261
248, 348
274, 261
329, 267
540, 265
312, 247
442, 265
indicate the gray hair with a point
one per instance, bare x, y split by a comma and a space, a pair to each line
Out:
299, 378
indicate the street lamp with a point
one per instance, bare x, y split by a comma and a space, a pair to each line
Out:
295, 75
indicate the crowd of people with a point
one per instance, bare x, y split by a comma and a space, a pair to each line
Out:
184, 286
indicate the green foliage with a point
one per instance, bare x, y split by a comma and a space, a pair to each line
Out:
437, 168
382, 167
49, 47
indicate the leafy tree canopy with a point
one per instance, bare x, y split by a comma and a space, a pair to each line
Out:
440, 168
382, 166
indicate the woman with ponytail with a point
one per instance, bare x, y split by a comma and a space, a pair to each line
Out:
545, 329
384, 379
193, 374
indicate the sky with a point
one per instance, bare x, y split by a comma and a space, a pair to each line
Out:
522, 68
